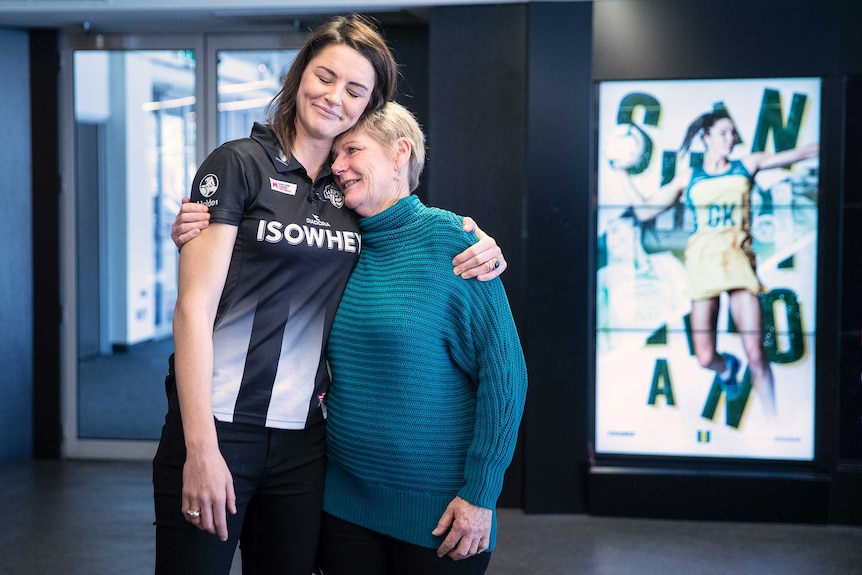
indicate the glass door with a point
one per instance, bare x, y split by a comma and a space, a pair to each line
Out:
247, 72
139, 115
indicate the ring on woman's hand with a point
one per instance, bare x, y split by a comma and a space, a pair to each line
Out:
493, 264
193, 514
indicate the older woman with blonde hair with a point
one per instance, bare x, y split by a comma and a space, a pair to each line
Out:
429, 379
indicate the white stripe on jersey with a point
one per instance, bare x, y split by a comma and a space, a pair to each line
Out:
297, 368
231, 347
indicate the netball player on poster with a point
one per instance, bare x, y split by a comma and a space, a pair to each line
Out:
718, 257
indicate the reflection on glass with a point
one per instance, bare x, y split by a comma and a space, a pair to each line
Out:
135, 158
135, 126
246, 81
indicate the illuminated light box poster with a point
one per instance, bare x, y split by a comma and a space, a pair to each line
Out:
706, 262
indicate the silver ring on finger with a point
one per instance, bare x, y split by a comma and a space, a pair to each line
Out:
192, 513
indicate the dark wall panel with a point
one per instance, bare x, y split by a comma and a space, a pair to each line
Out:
800, 498
848, 15
410, 45
16, 258
559, 212
44, 90
476, 136
847, 498
701, 38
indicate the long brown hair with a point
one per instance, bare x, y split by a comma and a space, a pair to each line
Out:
356, 31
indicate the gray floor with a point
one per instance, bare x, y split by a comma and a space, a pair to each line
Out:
95, 518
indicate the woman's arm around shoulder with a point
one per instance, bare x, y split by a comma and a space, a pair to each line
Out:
483, 260
190, 220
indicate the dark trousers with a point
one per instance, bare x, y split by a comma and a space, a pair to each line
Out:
348, 549
278, 480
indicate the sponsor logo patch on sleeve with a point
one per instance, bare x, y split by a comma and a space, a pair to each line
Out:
208, 185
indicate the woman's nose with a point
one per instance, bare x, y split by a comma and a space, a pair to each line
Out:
334, 96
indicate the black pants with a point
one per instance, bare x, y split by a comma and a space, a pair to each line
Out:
278, 480
348, 549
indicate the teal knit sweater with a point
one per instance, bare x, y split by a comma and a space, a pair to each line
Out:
429, 380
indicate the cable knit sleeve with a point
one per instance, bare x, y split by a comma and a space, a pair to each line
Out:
491, 350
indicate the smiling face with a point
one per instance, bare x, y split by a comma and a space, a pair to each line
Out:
334, 91
368, 172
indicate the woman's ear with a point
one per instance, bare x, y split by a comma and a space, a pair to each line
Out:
403, 149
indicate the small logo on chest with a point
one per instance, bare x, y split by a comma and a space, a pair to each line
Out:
282, 187
334, 195
316, 221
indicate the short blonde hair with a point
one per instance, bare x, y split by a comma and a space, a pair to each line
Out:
389, 123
